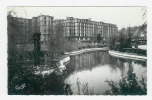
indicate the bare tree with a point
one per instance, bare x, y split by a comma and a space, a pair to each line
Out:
17, 36
56, 41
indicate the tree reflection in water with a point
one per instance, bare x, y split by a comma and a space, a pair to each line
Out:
101, 66
92, 69
128, 85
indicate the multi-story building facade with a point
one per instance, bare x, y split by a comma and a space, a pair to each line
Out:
82, 30
23, 30
86, 29
44, 25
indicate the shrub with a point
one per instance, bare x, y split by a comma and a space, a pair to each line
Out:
128, 85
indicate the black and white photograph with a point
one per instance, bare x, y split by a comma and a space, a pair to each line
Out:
77, 50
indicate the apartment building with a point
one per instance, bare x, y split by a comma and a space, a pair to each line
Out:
85, 29
75, 29
22, 27
44, 25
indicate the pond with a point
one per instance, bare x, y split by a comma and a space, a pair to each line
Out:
91, 69
94, 68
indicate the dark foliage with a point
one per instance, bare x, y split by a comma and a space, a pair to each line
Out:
127, 85
21, 81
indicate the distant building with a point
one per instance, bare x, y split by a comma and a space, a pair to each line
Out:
44, 25
75, 29
23, 29
86, 29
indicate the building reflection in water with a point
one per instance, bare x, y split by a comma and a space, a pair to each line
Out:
96, 67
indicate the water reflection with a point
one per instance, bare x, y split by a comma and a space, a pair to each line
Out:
96, 67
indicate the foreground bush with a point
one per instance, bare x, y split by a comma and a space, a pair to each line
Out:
128, 85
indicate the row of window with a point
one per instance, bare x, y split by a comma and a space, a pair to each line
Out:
79, 35
82, 38
46, 18
90, 26
79, 29
82, 21
22, 20
87, 25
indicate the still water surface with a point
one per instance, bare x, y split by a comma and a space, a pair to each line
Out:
95, 68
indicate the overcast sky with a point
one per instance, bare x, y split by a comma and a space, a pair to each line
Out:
121, 16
